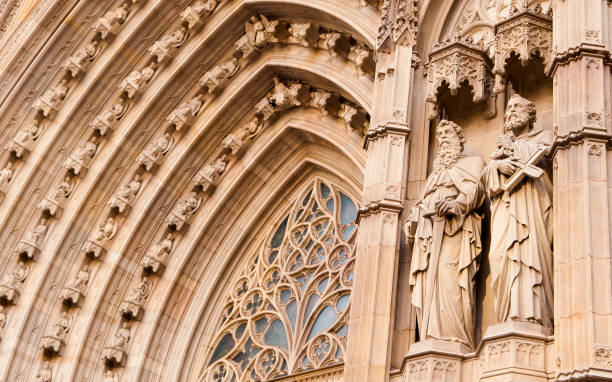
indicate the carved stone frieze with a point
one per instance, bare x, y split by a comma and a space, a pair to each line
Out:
525, 34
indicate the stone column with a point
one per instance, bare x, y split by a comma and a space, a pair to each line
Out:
582, 183
372, 312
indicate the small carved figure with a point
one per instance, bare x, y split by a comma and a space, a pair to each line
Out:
210, 174
81, 59
445, 228
305, 34
6, 175
73, 293
363, 59
521, 219
185, 113
52, 343
106, 231
256, 31
32, 241
203, 8
57, 196
114, 354
11, 282
184, 210
354, 118
50, 100
136, 80
218, 77
335, 43
25, 138
281, 95
45, 374
107, 118
111, 21
126, 193
157, 255
155, 151
234, 142
81, 158
166, 47
132, 307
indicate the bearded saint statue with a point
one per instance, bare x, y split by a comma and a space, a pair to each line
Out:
445, 227
521, 225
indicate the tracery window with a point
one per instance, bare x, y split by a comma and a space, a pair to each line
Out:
288, 312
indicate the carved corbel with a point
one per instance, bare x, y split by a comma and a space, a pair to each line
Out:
355, 118
455, 62
525, 34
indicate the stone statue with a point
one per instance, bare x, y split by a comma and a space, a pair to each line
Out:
62, 326
131, 307
256, 31
11, 282
6, 175
122, 337
445, 227
106, 230
44, 374
168, 44
136, 80
2, 319
111, 21
194, 14
157, 254
155, 151
521, 219
37, 234
25, 138
108, 117
81, 158
123, 198
182, 212
218, 77
80, 61
51, 99
72, 294
211, 173
57, 196
185, 113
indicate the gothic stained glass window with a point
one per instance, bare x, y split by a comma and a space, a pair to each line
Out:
288, 312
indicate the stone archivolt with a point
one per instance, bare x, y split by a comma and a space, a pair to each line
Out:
77, 67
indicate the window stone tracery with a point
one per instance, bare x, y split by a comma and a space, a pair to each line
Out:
288, 312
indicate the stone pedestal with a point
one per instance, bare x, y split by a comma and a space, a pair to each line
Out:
435, 360
514, 351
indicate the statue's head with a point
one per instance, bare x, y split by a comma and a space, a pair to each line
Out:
450, 144
520, 113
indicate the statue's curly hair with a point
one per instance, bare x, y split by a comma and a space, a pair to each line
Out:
458, 130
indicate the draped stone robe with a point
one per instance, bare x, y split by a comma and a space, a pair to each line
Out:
451, 312
521, 240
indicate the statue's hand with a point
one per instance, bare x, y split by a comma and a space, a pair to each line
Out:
506, 166
447, 207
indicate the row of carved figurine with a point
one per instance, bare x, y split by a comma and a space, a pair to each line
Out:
80, 160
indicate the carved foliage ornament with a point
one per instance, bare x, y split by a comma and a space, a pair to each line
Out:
288, 312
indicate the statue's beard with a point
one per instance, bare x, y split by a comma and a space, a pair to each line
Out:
448, 155
513, 122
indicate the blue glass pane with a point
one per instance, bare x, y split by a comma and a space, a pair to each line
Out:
299, 213
342, 331
326, 318
307, 198
343, 302
324, 191
291, 310
312, 303
322, 285
276, 335
315, 207
309, 245
284, 365
348, 232
330, 205
348, 210
240, 331
339, 353
261, 325
285, 295
277, 239
272, 256
305, 361
225, 346
350, 276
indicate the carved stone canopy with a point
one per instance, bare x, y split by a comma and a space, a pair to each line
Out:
399, 24
526, 33
455, 62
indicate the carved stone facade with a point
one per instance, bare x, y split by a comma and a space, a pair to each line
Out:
347, 190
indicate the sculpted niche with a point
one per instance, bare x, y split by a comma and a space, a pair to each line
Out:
445, 228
